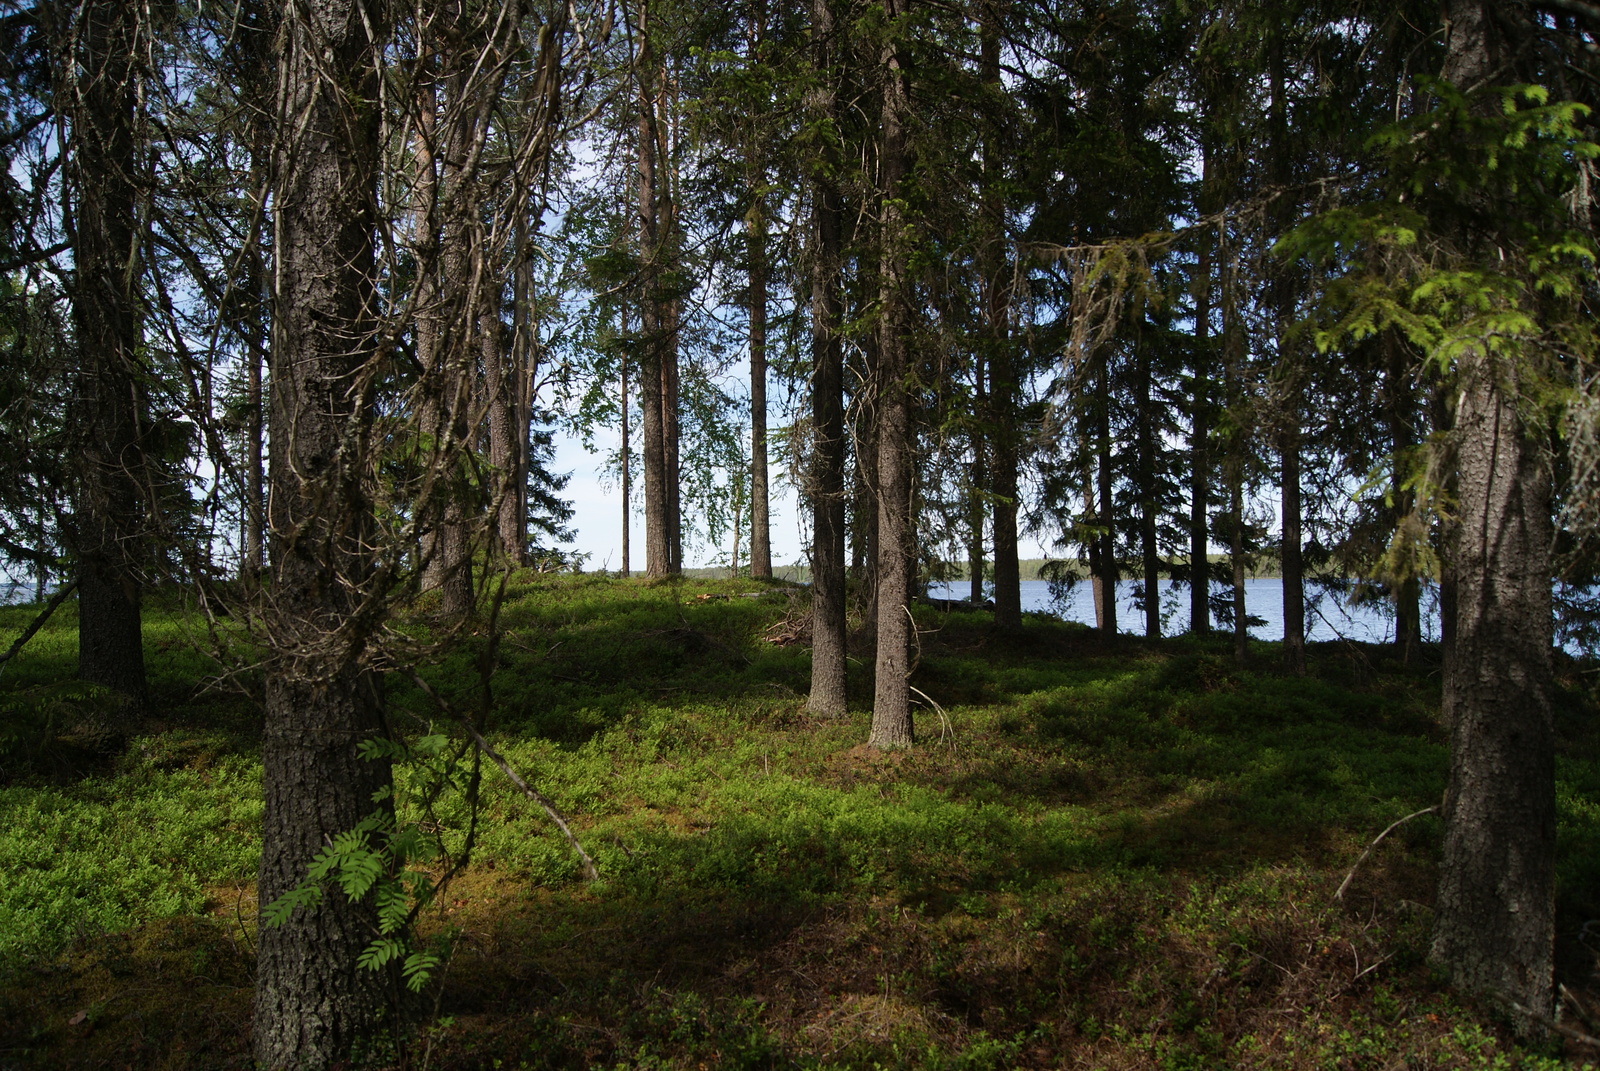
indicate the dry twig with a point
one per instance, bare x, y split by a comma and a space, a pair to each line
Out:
511, 775
1345, 884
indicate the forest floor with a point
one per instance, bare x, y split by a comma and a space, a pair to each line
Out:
1100, 854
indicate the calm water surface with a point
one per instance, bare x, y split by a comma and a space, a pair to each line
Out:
1327, 616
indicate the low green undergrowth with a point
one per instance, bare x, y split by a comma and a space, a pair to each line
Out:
1106, 855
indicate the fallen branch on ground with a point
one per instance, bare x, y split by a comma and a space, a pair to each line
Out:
1566, 1031
943, 717
1345, 884
511, 775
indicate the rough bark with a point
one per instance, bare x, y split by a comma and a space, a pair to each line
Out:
671, 428
1494, 916
671, 314
425, 247
97, 85
1097, 585
455, 371
864, 531
1233, 350
1007, 566
311, 1002
827, 403
891, 706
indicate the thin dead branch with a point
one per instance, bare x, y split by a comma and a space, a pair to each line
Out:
1345, 884
511, 775
38, 622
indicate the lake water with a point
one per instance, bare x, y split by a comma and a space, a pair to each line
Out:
12, 593
1327, 616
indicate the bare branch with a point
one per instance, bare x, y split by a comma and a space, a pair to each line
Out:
511, 775
1345, 884
38, 622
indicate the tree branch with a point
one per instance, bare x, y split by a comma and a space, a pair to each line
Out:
1345, 884
511, 775
34, 256
38, 622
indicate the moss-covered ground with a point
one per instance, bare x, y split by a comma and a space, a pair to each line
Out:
1100, 854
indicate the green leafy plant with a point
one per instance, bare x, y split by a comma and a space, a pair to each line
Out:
386, 857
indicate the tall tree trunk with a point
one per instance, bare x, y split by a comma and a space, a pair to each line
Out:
1400, 409
1007, 567
426, 243
864, 437
1004, 393
1233, 362
891, 707
525, 370
756, 232
1494, 916
672, 435
653, 451
1091, 514
96, 74
625, 460
1199, 434
1241, 618
977, 479
257, 28
654, 394
311, 1001
827, 399
1105, 518
499, 383
1149, 551
760, 523
1294, 591
671, 314
464, 293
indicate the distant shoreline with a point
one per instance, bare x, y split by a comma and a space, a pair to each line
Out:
1266, 568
